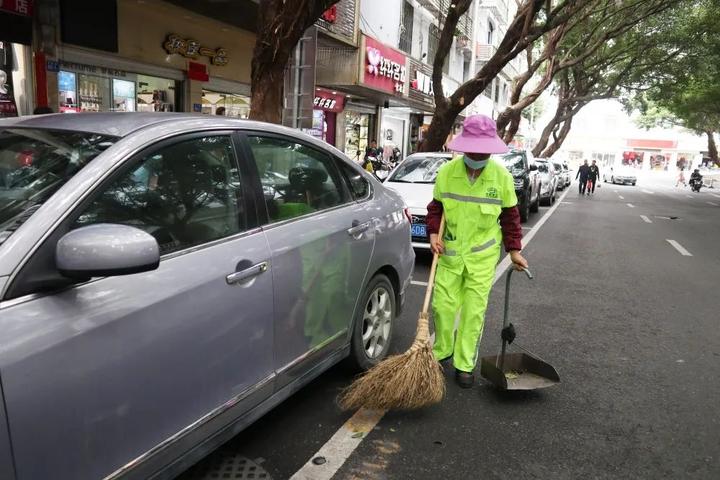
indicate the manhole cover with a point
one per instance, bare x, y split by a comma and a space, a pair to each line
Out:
226, 465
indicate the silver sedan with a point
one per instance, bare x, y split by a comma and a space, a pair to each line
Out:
165, 279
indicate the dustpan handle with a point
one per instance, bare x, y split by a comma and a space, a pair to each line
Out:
433, 269
506, 313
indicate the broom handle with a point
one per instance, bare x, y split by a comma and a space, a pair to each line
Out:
433, 268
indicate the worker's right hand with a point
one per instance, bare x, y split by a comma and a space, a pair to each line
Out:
436, 244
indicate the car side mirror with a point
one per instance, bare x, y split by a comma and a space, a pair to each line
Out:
106, 250
533, 167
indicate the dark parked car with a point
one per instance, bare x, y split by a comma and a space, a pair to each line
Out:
522, 166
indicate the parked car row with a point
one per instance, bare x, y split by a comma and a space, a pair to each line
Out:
536, 182
166, 279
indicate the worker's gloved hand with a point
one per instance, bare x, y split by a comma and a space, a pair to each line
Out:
508, 333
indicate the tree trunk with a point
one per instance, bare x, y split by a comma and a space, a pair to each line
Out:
513, 128
557, 143
440, 129
267, 92
548, 130
280, 27
712, 148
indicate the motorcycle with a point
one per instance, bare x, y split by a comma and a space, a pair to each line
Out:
696, 184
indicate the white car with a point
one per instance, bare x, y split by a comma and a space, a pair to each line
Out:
620, 174
414, 180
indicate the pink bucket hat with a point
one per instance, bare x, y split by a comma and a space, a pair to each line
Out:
479, 135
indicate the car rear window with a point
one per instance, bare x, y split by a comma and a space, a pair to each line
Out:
418, 169
34, 164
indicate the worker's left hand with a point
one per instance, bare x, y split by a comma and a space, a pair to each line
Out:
519, 262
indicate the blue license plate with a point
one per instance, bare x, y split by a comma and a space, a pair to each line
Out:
419, 230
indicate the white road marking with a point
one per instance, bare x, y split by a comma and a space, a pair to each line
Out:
679, 248
645, 219
337, 450
621, 197
712, 203
648, 191
416, 282
714, 195
689, 196
567, 203
631, 205
343, 443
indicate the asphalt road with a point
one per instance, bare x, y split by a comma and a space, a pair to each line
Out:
630, 323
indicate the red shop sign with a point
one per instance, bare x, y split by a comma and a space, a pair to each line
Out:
328, 101
197, 71
19, 7
384, 67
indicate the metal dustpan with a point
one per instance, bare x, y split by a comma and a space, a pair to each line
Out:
517, 371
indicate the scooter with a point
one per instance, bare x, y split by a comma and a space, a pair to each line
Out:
696, 184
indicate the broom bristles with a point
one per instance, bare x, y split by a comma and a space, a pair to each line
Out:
408, 381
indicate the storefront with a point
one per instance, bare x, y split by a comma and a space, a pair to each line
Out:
16, 79
360, 125
166, 60
327, 105
89, 88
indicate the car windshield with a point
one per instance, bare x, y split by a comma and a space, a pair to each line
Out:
514, 162
419, 169
34, 164
558, 167
542, 167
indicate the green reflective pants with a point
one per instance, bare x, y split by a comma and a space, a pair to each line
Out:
467, 293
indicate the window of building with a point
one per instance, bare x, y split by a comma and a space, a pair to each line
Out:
184, 195
433, 39
297, 180
406, 29
497, 91
491, 33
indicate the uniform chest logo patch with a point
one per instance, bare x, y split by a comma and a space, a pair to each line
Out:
492, 192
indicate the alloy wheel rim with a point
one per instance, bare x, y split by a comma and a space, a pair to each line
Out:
377, 322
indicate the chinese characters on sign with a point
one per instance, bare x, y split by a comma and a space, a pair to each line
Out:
329, 101
20, 7
326, 103
385, 68
423, 83
192, 49
379, 65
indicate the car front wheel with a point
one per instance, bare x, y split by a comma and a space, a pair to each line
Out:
373, 326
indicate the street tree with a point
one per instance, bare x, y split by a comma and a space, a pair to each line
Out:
533, 19
570, 44
622, 64
281, 24
686, 93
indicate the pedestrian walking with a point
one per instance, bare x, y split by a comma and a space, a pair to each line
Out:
593, 177
474, 192
681, 178
582, 174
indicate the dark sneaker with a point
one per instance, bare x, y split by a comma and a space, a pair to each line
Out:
464, 379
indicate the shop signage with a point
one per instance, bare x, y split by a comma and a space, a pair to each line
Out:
422, 83
190, 48
197, 71
328, 101
19, 7
80, 68
52, 66
384, 67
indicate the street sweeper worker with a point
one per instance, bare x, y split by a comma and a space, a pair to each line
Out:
477, 195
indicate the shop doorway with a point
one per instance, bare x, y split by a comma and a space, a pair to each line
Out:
358, 133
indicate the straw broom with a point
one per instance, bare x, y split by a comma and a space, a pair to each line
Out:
411, 380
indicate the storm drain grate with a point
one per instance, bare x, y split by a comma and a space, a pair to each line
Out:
228, 465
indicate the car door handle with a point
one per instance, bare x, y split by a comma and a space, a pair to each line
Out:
247, 274
358, 228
